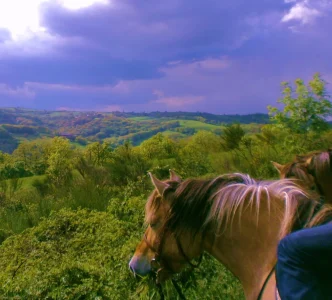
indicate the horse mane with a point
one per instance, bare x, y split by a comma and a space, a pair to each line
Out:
189, 202
195, 204
320, 163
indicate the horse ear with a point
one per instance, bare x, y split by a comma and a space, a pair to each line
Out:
308, 161
278, 167
159, 185
174, 176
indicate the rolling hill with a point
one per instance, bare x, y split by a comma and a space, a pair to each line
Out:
19, 124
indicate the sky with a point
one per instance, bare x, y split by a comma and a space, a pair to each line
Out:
223, 57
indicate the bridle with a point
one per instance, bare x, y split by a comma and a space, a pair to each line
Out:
160, 263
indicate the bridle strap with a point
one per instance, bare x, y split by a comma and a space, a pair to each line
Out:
186, 257
159, 256
150, 246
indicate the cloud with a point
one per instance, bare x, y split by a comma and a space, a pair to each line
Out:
18, 92
179, 101
118, 88
302, 12
108, 108
26, 22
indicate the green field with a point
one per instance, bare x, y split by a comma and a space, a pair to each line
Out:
197, 125
140, 118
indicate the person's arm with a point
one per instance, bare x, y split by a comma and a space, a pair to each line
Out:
303, 256
311, 247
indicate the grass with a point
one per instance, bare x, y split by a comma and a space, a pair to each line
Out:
197, 125
27, 181
140, 118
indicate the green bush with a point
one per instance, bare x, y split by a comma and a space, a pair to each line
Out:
71, 255
84, 255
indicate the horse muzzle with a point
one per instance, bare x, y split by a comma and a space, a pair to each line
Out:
140, 266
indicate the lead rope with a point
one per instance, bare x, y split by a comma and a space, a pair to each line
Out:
265, 283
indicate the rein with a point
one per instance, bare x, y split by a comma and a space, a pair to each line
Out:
265, 283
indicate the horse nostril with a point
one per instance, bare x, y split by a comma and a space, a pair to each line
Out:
132, 270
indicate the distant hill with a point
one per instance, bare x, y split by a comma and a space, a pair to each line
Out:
18, 124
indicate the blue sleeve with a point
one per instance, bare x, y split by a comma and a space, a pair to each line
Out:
304, 264
311, 247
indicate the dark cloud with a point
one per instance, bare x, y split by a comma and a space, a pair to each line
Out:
216, 56
172, 30
92, 69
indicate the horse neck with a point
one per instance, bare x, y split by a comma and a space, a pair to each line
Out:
248, 248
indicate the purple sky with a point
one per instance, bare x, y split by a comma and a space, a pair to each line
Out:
189, 55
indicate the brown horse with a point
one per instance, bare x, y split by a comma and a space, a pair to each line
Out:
236, 219
314, 170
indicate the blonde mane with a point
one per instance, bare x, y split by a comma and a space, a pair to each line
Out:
194, 203
233, 198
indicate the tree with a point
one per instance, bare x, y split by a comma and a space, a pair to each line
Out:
158, 147
305, 108
127, 164
232, 137
195, 157
98, 153
60, 162
34, 154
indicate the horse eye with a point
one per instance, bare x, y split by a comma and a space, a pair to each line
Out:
153, 225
